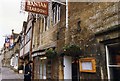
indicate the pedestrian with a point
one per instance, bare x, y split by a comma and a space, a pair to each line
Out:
28, 71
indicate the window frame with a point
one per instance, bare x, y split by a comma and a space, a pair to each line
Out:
109, 65
56, 13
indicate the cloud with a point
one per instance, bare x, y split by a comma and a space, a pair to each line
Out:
10, 18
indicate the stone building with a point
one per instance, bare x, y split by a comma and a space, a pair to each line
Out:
10, 51
1, 56
26, 40
14, 58
45, 38
93, 27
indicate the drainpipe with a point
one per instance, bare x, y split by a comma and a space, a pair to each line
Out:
66, 13
66, 29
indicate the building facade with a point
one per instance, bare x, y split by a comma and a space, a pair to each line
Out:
26, 38
14, 62
10, 50
85, 47
45, 38
76, 41
95, 28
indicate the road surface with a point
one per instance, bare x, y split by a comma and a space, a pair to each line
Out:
9, 75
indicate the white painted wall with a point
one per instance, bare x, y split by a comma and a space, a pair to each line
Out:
27, 47
21, 52
68, 67
14, 62
1, 57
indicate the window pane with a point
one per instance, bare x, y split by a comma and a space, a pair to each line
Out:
86, 65
40, 69
114, 57
44, 69
115, 73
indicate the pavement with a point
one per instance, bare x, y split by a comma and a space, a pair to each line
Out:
6, 74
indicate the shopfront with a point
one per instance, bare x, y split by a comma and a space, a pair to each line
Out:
43, 67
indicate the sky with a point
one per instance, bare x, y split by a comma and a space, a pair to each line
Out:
10, 18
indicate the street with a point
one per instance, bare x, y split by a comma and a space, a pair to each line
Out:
72, 40
7, 74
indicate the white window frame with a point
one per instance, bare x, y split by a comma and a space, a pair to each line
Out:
107, 61
42, 69
48, 23
59, 14
56, 14
44, 24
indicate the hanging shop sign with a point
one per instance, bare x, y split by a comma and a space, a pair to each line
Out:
37, 7
7, 42
7, 45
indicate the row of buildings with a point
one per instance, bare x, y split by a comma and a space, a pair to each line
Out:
10, 51
75, 40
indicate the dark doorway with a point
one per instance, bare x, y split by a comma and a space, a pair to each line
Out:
75, 70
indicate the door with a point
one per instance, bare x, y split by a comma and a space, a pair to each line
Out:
75, 70
68, 67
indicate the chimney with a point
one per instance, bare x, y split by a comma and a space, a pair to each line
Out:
12, 31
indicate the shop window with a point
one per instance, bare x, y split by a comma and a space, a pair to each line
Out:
42, 69
36, 67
